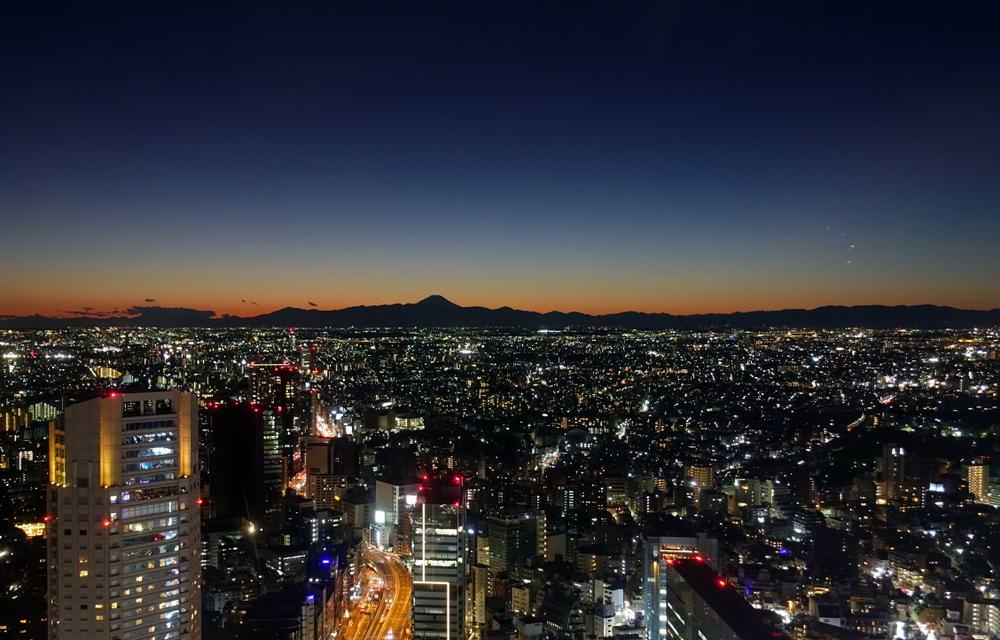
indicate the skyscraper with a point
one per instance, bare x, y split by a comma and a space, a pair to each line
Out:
233, 461
693, 602
439, 560
893, 470
123, 518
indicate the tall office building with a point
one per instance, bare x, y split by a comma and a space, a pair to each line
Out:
515, 538
123, 520
893, 470
690, 601
978, 477
232, 448
439, 560
276, 390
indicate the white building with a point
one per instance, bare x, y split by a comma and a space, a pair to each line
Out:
439, 561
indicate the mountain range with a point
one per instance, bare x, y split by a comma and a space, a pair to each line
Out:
437, 311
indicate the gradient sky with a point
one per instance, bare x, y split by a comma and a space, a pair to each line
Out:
678, 157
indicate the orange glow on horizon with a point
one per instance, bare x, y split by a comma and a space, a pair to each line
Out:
737, 301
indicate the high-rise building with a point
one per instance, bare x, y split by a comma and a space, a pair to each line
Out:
704, 477
233, 461
439, 560
688, 600
514, 539
476, 593
273, 462
978, 477
700, 479
893, 470
329, 463
276, 388
669, 538
395, 498
123, 518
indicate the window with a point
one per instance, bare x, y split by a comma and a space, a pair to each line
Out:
149, 424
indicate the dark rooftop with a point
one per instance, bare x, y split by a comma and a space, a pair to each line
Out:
725, 600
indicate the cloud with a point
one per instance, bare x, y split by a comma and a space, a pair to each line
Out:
312, 304
150, 299
91, 312
170, 316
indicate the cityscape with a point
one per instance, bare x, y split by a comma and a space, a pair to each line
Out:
505, 320
428, 483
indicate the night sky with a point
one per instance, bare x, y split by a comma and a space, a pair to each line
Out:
681, 157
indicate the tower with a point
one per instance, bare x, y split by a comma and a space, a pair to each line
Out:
439, 560
123, 519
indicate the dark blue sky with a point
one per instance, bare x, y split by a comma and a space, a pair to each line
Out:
597, 156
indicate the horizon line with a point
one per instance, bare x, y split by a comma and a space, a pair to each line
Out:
136, 311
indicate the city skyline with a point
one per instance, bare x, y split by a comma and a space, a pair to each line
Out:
666, 158
525, 320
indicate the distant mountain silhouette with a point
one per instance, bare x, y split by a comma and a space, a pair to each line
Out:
438, 311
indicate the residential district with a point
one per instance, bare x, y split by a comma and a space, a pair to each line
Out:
406, 484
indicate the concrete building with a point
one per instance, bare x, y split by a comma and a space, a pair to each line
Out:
690, 601
395, 498
515, 538
123, 519
439, 560
978, 477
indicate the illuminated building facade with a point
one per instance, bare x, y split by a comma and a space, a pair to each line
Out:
439, 560
123, 519
978, 477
